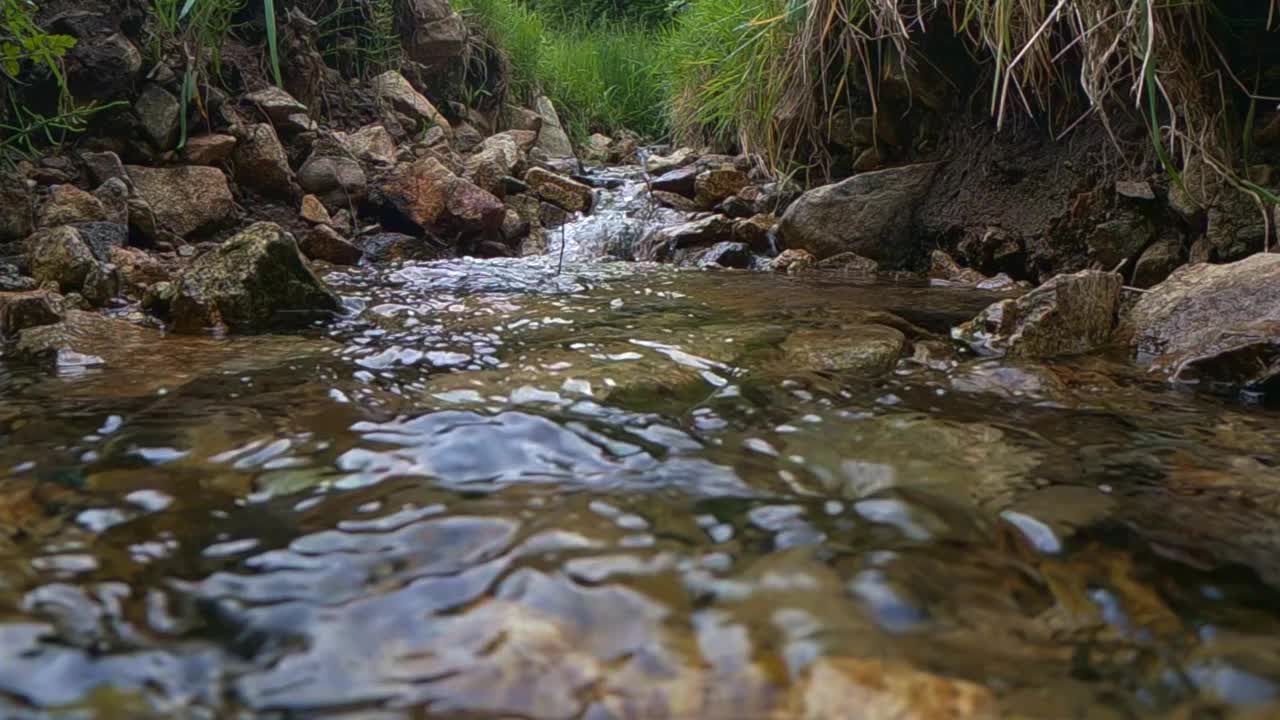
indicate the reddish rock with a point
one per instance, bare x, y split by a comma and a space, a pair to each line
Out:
428, 195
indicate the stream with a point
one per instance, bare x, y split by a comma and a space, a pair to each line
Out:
506, 488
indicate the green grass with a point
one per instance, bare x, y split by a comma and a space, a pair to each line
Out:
603, 76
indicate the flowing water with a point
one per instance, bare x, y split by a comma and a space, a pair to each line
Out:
498, 489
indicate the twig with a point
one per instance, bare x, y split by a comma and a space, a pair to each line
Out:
562, 241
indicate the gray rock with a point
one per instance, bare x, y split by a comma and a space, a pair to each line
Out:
661, 164
114, 196
399, 95
12, 280
1203, 307
212, 149
391, 247
158, 110
186, 201
339, 182
1135, 190
101, 66
552, 139
868, 350
104, 166
726, 254
16, 218
255, 281
261, 162
276, 104
102, 285
22, 310
850, 263
1070, 314
430, 31
869, 214
370, 144
666, 244
1119, 240
681, 181
101, 237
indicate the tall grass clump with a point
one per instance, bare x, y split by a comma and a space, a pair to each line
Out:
602, 75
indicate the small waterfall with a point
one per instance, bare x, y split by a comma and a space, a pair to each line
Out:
624, 213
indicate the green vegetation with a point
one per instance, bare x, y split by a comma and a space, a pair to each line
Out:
602, 75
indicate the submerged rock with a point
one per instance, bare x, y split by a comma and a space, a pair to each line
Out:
850, 263
869, 214
186, 201
793, 261
84, 339
872, 689
726, 254
255, 281
868, 350
1068, 315
1217, 322
944, 267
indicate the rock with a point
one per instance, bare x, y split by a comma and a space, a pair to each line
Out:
1159, 260
872, 689
523, 119
666, 243
158, 110
276, 104
495, 159
261, 162
430, 31
726, 254
86, 339
868, 350
552, 139
114, 196
102, 237
680, 181
712, 186
754, 233
427, 195
255, 281
868, 160
104, 166
674, 201
1070, 314
212, 149
736, 207
16, 219
313, 211
597, 149
466, 138
67, 205
298, 123
1221, 322
339, 182
101, 66
514, 227
568, 194
850, 263
102, 285
59, 256
138, 270
393, 89
943, 267
371, 144
324, 243
1135, 190
22, 310
793, 261
389, 247
552, 216
1119, 240
869, 214
187, 201
1236, 225
11, 280
660, 164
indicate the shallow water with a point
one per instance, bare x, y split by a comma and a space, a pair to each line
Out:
499, 490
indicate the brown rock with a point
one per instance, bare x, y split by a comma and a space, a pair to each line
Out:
1158, 261
393, 89
276, 104
68, 205
22, 310
943, 267
339, 182
851, 263
792, 261
868, 350
370, 144
138, 269
16, 218
325, 243
713, 186
754, 232
495, 159
426, 194
212, 149
186, 201
59, 256
568, 194
868, 160
870, 689
675, 201
523, 119
430, 31
313, 211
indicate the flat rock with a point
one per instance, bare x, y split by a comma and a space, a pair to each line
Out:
568, 194
188, 200
255, 281
869, 214
1070, 314
867, 350
212, 149
276, 104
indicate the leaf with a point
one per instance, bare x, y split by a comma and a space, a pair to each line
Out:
186, 8
10, 55
269, 8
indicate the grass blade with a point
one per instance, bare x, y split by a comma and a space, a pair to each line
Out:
269, 9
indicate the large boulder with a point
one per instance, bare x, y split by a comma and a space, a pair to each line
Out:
672, 243
398, 94
255, 281
430, 31
187, 201
429, 196
339, 182
552, 139
16, 218
1220, 322
562, 191
1070, 314
261, 162
869, 214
